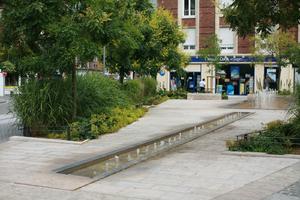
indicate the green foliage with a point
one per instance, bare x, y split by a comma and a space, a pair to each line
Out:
211, 51
98, 94
47, 102
141, 91
99, 124
278, 137
224, 96
262, 15
284, 92
7, 66
43, 103
135, 90
159, 47
177, 94
45, 36
114, 120
280, 45
155, 100
150, 86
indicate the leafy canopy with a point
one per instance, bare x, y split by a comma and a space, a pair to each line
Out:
262, 15
211, 51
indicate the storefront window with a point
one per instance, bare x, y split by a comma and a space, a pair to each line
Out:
235, 79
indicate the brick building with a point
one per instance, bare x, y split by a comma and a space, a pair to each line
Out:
239, 75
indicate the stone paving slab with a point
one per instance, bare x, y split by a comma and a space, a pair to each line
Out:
42, 157
197, 170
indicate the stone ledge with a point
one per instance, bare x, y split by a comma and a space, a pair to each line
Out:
203, 96
31, 139
256, 154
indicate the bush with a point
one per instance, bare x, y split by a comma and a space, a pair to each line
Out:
135, 90
155, 100
177, 94
150, 86
278, 137
99, 94
43, 104
224, 96
275, 139
113, 121
284, 92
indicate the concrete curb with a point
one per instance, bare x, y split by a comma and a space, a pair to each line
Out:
255, 154
31, 139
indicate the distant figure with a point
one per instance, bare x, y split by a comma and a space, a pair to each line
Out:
202, 86
268, 81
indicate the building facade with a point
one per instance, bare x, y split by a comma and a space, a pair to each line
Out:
239, 74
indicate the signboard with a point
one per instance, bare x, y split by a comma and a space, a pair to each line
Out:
271, 75
162, 72
235, 72
230, 89
231, 59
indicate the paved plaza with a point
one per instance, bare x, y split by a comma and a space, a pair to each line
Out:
201, 169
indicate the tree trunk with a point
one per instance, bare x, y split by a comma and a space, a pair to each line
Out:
74, 91
122, 74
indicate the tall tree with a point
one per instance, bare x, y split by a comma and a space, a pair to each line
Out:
162, 36
47, 38
262, 15
123, 46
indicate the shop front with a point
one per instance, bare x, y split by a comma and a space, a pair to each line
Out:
235, 79
239, 75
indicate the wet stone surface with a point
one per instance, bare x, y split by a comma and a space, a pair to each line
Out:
293, 190
290, 193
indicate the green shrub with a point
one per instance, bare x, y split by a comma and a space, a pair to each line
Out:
99, 94
43, 103
178, 94
113, 121
224, 96
150, 86
284, 92
47, 104
275, 139
155, 100
135, 90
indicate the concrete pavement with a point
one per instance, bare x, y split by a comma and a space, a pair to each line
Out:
197, 170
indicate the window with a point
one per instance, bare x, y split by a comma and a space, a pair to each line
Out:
226, 36
190, 41
189, 8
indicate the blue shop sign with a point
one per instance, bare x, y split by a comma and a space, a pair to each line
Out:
162, 72
232, 59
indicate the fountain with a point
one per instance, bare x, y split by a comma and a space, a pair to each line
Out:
265, 99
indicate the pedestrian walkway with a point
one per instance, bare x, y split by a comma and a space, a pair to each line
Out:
197, 170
